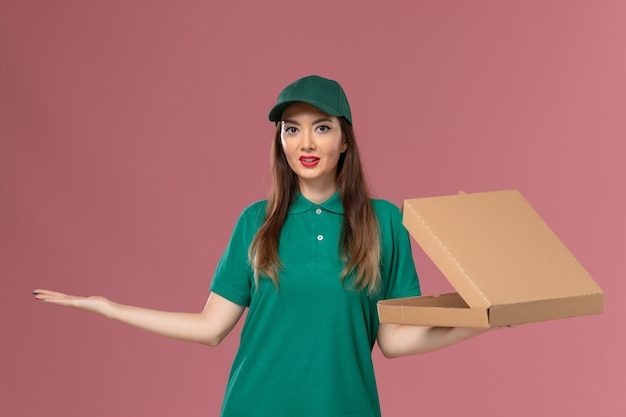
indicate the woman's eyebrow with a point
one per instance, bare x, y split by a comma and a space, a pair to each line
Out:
327, 120
293, 122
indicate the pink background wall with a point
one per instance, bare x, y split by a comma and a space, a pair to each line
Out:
133, 133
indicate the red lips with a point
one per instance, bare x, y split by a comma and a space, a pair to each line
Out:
309, 161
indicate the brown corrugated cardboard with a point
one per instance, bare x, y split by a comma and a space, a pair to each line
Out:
506, 264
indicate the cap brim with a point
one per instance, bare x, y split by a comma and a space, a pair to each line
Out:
277, 110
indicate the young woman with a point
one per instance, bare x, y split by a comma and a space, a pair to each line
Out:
309, 263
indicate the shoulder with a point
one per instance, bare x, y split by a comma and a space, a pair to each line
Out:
389, 219
386, 210
252, 216
254, 209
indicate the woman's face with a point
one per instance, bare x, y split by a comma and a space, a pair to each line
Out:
312, 142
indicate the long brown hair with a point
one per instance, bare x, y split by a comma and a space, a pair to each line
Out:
360, 247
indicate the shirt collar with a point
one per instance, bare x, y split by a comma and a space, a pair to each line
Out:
301, 204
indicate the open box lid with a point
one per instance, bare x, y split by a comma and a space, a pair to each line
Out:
495, 249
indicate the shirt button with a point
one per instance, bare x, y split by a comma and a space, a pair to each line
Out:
320, 237
318, 211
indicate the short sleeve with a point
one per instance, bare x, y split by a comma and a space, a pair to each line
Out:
397, 268
234, 277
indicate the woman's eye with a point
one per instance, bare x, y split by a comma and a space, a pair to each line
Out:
323, 129
290, 130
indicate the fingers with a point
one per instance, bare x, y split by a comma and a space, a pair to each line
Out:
54, 297
41, 293
94, 304
508, 326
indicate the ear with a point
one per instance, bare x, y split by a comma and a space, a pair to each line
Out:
344, 146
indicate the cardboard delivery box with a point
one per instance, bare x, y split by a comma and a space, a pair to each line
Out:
505, 262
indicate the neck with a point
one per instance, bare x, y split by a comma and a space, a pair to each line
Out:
317, 193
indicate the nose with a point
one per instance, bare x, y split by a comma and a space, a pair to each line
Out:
307, 141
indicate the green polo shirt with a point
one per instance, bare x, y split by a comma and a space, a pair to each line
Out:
305, 348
